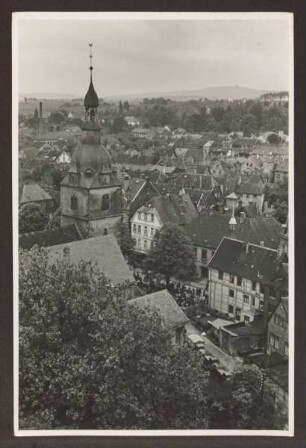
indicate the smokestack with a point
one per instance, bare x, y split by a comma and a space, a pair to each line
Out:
40, 109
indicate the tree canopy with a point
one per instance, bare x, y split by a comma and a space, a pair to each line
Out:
171, 253
32, 218
89, 361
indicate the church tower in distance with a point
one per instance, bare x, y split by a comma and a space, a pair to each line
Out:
90, 193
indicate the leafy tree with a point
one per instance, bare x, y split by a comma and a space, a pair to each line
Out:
171, 254
58, 116
278, 199
32, 218
249, 407
124, 238
248, 124
90, 361
274, 139
257, 110
118, 125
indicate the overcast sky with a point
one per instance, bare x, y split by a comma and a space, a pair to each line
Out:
152, 56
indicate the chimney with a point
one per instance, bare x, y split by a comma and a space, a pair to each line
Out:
66, 252
40, 109
232, 223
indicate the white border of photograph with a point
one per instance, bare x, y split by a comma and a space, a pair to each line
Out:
22, 16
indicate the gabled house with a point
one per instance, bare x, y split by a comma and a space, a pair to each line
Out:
64, 158
252, 192
172, 317
238, 274
136, 192
281, 172
160, 210
278, 331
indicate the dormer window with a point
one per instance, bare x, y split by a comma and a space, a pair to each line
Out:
105, 179
88, 173
105, 202
74, 202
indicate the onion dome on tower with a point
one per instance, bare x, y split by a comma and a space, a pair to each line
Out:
91, 160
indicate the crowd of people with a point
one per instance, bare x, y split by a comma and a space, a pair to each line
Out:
184, 294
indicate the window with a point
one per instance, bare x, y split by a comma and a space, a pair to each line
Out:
139, 230
152, 217
139, 216
145, 244
139, 243
238, 313
220, 275
145, 216
105, 202
253, 301
245, 298
253, 286
246, 319
134, 228
231, 293
239, 281
146, 231
274, 341
279, 320
73, 202
152, 231
204, 255
232, 279
230, 309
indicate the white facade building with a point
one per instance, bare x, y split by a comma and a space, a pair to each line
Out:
144, 224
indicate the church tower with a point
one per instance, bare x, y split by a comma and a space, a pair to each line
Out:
90, 193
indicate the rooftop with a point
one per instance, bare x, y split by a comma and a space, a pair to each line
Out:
245, 260
260, 229
208, 230
34, 193
103, 250
48, 238
251, 188
256, 327
176, 209
164, 304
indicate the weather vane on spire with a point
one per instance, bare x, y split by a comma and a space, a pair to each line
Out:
90, 56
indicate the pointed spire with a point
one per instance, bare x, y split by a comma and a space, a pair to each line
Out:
91, 100
90, 58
